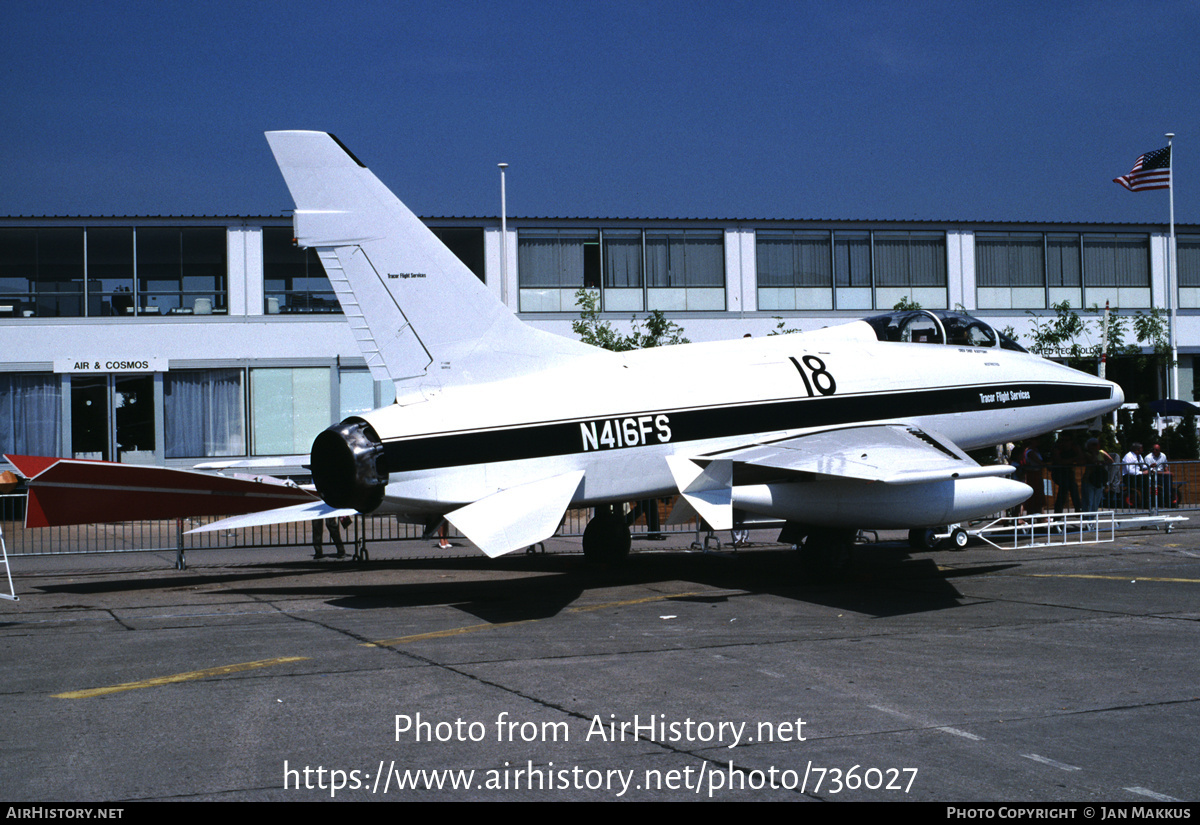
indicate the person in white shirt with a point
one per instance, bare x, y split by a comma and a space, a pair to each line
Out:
1160, 479
1133, 469
1157, 460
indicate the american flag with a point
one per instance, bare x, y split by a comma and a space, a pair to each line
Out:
1151, 171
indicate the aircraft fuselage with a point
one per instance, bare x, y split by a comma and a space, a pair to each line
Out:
633, 411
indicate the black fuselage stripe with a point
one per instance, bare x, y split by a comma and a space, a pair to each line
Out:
566, 438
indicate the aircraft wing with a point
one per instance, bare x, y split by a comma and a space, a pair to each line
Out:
892, 454
518, 516
507, 520
884, 453
75, 491
306, 511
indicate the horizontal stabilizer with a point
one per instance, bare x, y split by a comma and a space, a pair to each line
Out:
519, 516
283, 515
74, 491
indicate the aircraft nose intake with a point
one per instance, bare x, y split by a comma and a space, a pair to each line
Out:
347, 466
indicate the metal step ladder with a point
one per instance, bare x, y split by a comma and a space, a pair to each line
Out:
11, 595
1061, 529
1049, 529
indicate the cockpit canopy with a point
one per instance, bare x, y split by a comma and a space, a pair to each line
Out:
939, 326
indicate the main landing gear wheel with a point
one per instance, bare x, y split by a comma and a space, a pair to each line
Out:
828, 552
922, 538
606, 538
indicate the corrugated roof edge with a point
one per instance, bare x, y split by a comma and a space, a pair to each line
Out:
611, 219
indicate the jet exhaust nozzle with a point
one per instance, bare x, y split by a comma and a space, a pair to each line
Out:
348, 466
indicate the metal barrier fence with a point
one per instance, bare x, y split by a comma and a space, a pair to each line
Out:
1125, 489
171, 534
1176, 488
576, 520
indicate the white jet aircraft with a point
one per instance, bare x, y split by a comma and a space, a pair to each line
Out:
500, 428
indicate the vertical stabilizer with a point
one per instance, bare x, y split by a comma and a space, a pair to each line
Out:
420, 316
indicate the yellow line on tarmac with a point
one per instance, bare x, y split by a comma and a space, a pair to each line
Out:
178, 677
474, 628
646, 600
438, 634
1110, 578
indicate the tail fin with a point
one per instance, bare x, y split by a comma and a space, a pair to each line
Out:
420, 316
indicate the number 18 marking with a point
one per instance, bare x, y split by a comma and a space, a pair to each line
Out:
821, 378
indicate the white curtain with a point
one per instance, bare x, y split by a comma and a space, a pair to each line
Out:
623, 260
31, 414
204, 413
552, 258
1117, 260
685, 259
1009, 261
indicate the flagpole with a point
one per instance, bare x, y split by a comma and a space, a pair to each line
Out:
1171, 274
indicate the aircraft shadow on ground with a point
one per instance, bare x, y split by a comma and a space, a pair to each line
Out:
886, 580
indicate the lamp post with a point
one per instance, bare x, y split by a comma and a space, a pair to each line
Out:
503, 238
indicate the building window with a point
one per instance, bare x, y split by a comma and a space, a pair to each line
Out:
466, 244
1064, 270
293, 278
204, 413
181, 271
554, 264
110, 278
288, 408
795, 270
1027, 270
1010, 270
356, 393
126, 272
41, 273
668, 270
623, 280
1187, 269
1116, 270
852, 270
910, 266
18, 273
31, 414
685, 270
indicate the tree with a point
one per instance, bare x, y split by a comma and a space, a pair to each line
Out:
781, 327
1186, 445
1058, 337
1080, 341
656, 330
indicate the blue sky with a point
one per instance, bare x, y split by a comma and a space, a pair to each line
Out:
871, 110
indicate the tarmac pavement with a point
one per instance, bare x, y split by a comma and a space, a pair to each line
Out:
1064, 674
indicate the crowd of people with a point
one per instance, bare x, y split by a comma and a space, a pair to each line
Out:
1135, 480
